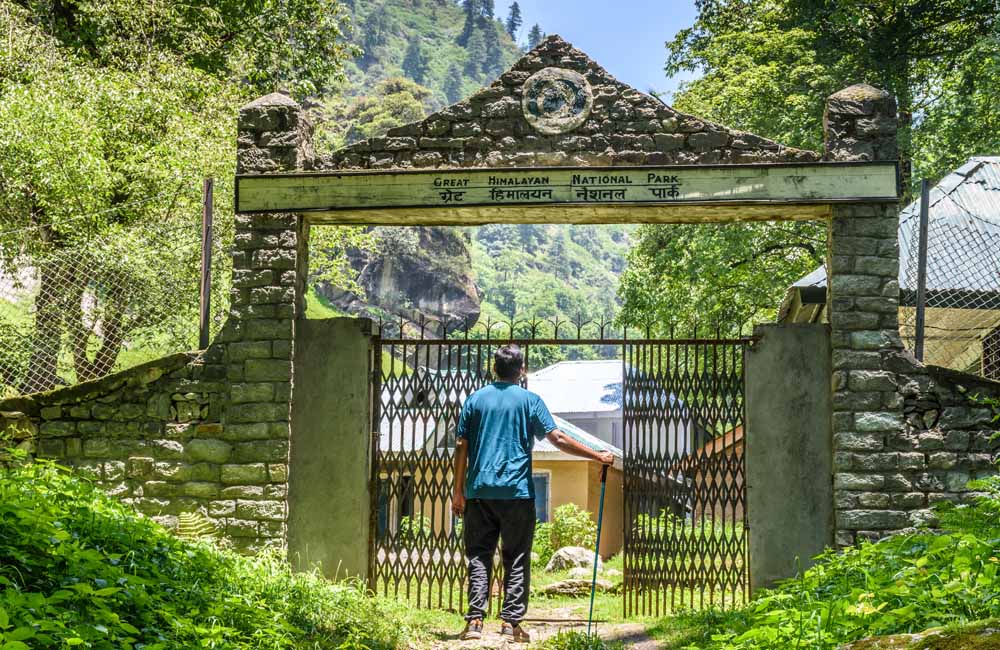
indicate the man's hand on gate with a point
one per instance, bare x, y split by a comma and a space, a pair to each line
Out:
607, 458
458, 504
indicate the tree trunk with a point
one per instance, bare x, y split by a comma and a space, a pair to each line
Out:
41, 373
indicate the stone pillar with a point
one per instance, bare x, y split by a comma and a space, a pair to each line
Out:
863, 305
273, 137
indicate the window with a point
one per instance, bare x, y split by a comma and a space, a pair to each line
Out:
541, 496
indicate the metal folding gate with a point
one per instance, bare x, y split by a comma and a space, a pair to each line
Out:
684, 506
684, 490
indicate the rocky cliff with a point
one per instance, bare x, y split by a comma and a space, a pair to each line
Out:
417, 273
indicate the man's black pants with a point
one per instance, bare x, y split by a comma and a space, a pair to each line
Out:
486, 521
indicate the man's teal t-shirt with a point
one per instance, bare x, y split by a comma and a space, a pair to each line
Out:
501, 423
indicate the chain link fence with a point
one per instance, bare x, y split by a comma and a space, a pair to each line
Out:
962, 317
82, 311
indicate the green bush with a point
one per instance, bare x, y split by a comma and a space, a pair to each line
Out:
542, 544
572, 526
412, 530
78, 568
906, 583
578, 641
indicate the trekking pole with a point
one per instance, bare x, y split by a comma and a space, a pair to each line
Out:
597, 546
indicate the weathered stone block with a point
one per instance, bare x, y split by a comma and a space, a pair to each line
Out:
260, 510
51, 447
241, 528
872, 380
247, 431
200, 489
856, 285
278, 472
221, 508
867, 422
243, 492
261, 451
250, 474
860, 482
209, 450
263, 370
51, 412
263, 329
858, 441
139, 467
97, 448
57, 428
256, 392
258, 412
942, 460
872, 519
874, 500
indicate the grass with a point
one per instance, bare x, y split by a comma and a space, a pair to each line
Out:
78, 568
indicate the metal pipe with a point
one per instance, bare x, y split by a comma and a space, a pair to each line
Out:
205, 304
918, 342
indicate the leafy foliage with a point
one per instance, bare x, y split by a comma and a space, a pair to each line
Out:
578, 641
906, 583
768, 67
728, 276
392, 32
572, 526
77, 568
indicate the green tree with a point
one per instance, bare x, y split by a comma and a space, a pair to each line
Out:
477, 50
296, 44
728, 276
393, 102
492, 63
768, 68
769, 65
453, 83
415, 63
535, 36
471, 8
514, 20
375, 33
106, 139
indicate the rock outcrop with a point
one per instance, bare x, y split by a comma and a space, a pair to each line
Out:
569, 557
428, 278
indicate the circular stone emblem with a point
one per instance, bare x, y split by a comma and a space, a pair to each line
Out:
556, 100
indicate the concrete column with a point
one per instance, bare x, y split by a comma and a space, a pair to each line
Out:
788, 451
329, 501
863, 305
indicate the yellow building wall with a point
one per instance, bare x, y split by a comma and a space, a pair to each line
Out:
580, 483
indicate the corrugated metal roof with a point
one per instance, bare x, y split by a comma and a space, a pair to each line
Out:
963, 248
578, 434
579, 386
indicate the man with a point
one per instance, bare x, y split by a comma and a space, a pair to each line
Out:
494, 491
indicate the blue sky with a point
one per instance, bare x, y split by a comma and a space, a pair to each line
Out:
625, 36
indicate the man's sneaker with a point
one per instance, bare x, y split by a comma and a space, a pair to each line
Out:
515, 633
473, 630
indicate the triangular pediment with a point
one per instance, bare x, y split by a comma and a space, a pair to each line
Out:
575, 114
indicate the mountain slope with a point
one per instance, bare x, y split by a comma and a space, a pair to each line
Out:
543, 271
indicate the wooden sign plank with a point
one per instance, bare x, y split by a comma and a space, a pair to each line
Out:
813, 183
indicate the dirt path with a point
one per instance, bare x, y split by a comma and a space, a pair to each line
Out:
633, 635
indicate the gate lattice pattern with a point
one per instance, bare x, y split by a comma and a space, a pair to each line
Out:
419, 552
685, 507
